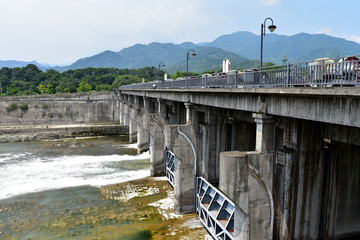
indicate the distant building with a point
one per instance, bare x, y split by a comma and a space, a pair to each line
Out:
226, 65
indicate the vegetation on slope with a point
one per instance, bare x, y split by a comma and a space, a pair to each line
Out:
31, 80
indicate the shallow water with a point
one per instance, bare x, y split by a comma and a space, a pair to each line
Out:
39, 166
41, 181
60, 190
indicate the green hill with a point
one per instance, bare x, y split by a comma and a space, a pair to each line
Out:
298, 48
173, 55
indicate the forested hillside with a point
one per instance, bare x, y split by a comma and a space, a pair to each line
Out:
31, 80
173, 55
298, 48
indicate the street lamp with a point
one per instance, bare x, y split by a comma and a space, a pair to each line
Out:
163, 65
272, 28
284, 59
187, 61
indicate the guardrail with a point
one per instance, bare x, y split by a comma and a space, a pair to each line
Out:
169, 162
319, 73
215, 210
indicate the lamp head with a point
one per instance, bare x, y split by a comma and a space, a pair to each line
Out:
193, 55
272, 28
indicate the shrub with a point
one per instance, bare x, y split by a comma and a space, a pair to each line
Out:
44, 106
24, 106
11, 107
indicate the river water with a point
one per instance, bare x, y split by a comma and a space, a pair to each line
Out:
40, 180
38, 166
92, 188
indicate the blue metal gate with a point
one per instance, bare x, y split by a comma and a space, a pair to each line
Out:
169, 162
216, 211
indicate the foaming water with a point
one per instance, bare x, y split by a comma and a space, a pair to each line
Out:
7, 157
33, 171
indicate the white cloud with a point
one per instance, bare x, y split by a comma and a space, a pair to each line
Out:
355, 39
324, 30
64, 30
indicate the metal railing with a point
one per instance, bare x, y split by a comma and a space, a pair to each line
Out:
319, 73
216, 211
169, 162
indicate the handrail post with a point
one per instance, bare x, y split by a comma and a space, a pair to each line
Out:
288, 75
236, 78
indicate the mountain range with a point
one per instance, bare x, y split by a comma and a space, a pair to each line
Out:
298, 48
14, 63
172, 55
242, 48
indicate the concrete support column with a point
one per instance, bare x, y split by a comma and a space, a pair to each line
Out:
242, 183
210, 145
126, 110
143, 130
190, 114
126, 113
156, 124
121, 113
116, 107
180, 139
265, 137
247, 178
147, 105
122, 109
184, 167
162, 110
264, 132
133, 125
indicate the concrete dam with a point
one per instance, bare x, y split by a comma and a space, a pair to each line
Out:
255, 163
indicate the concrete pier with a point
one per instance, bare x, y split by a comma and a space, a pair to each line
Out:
287, 158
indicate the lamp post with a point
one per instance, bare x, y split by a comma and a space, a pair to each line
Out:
187, 62
163, 65
284, 59
272, 28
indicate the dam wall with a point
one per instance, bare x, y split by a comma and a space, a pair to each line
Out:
59, 109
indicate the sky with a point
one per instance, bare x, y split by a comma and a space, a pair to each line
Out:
62, 31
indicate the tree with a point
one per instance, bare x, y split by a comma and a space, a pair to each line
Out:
31, 80
267, 64
50, 88
178, 74
72, 89
12, 90
84, 87
103, 87
29, 72
42, 88
58, 89
124, 80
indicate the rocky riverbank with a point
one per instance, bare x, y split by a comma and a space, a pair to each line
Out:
39, 133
